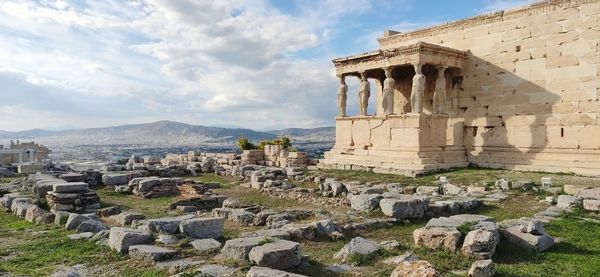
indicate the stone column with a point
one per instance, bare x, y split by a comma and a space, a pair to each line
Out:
418, 90
20, 157
364, 93
388, 91
342, 96
439, 94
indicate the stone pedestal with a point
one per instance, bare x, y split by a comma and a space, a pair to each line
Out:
408, 144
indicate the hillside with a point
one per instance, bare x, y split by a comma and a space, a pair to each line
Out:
163, 133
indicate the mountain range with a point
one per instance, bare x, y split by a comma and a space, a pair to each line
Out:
163, 133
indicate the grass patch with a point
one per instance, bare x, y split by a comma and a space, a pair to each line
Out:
459, 176
6, 180
578, 253
363, 260
151, 207
40, 250
225, 181
265, 241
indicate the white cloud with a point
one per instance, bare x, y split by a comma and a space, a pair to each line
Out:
232, 62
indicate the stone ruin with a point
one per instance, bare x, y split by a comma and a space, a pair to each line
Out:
62, 195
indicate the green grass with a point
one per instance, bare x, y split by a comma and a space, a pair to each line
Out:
40, 250
578, 253
211, 177
151, 207
459, 176
6, 180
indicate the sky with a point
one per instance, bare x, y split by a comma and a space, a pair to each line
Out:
259, 64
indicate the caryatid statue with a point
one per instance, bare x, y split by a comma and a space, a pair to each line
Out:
418, 90
364, 93
388, 91
439, 94
342, 96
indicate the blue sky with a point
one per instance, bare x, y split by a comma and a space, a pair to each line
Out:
250, 63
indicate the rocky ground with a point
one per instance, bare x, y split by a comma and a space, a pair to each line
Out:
327, 223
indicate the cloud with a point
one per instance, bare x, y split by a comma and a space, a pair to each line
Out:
253, 63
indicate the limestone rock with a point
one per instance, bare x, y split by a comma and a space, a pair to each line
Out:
482, 268
428, 190
120, 239
406, 257
390, 244
567, 201
91, 225
81, 236
240, 216
75, 220
437, 238
214, 270
273, 233
125, 219
573, 189
238, 249
167, 225
178, 265
450, 189
281, 254
33, 213
150, 253
591, 205
480, 243
257, 271
357, 245
167, 239
538, 243
325, 228
404, 207
589, 193
365, 202
415, 268
300, 231
206, 245
203, 228
108, 211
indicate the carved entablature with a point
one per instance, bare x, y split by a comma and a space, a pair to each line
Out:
421, 52
392, 38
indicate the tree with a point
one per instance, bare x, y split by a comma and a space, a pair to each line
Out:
245, 144
285, 142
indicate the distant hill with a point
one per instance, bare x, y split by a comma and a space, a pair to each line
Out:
162, 133
321, 134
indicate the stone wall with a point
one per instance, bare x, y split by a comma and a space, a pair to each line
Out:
527, 96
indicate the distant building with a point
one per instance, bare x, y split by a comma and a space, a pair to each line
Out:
27, 152
514, 89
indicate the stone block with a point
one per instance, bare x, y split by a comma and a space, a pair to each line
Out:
238, 249
281, 254
357, 246
206, 245
203, 228
258, 271
120, 239
437, 238
70, 187
365, 202
150, 253
404, 207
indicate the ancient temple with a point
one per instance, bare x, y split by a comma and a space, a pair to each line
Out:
514, 89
